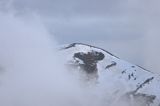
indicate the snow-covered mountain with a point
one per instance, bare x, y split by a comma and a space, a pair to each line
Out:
123, 80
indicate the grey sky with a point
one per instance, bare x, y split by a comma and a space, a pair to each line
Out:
84, 20
128, 28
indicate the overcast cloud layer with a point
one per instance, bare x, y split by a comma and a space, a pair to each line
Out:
128, 28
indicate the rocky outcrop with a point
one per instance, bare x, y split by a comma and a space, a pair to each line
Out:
89, 62
137, 99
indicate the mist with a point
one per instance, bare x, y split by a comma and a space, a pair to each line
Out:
33, 71
127, 28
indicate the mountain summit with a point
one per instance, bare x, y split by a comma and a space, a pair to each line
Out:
125, 81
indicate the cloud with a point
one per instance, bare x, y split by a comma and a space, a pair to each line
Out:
33, 70
115, 23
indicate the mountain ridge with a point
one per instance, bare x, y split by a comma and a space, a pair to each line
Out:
74, 44
134, 80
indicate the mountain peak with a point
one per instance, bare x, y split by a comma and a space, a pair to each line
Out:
104, 66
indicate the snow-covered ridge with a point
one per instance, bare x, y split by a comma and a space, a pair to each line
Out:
123, 76
98, 48
76, 44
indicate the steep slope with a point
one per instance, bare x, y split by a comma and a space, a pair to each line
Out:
123, 79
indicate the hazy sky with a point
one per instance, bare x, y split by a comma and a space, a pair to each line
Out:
88, 20
128, 28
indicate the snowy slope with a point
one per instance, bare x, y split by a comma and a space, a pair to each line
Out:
120, 77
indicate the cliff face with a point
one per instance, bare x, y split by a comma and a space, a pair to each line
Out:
122, 78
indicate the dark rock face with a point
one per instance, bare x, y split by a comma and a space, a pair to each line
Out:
144, 98
138, 99
90, 60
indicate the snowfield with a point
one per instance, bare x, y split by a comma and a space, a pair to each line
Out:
120, 79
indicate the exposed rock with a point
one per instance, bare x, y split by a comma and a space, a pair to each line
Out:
147, 81
139, 99
111, 65
89, 60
